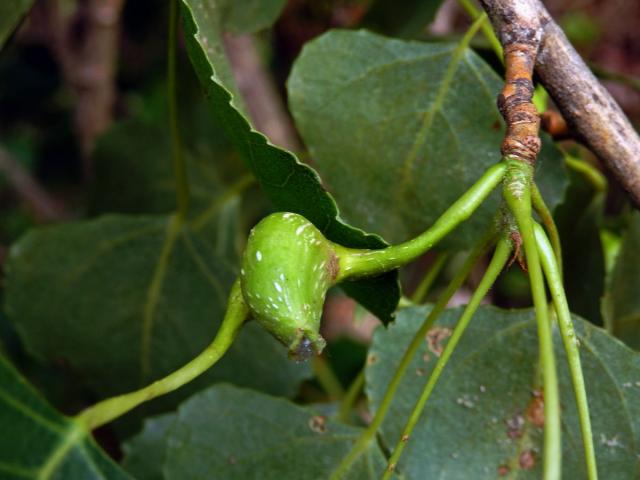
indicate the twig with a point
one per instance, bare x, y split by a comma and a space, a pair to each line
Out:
520, 31
588, 108
88, 65
44, 207
259, 92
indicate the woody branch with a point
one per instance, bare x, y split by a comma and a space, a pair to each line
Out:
591, 113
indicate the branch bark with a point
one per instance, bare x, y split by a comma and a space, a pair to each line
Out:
590, 111
259, 92
88, 62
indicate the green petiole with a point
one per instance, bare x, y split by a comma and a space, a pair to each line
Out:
517, 194
498, 261
112, 408
475, 13
598, 180
549, 223
425, 284
361, 263
570, 341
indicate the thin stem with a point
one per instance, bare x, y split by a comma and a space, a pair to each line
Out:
475, 13
350, 397
425, 284
598, 180
360, 263
542, 209
112, 408
498, 261
327, 379
367, 436
570, 341
179, 165
517, 193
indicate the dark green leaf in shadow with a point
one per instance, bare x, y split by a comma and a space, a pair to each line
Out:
126, 300
229, 433
290, 185
11, 12
145, 453
401, 19
579, 218
621, 306
399, 130
132, 160
484, 417
38, 442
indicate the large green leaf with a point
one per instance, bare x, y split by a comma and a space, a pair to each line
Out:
290, 185
400, 130
482, 414
622, 301
126, 300
37, 442
229, 433
11, 11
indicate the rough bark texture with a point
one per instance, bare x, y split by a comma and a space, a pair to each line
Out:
520, 40
523, 123
588, 108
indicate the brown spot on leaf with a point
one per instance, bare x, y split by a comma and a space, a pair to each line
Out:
435, 337
318, 424
535, 410
231, 460
527, 460
372, 358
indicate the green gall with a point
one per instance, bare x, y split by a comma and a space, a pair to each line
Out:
287, 268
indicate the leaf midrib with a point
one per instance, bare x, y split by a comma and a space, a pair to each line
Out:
154, 294
421, 136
